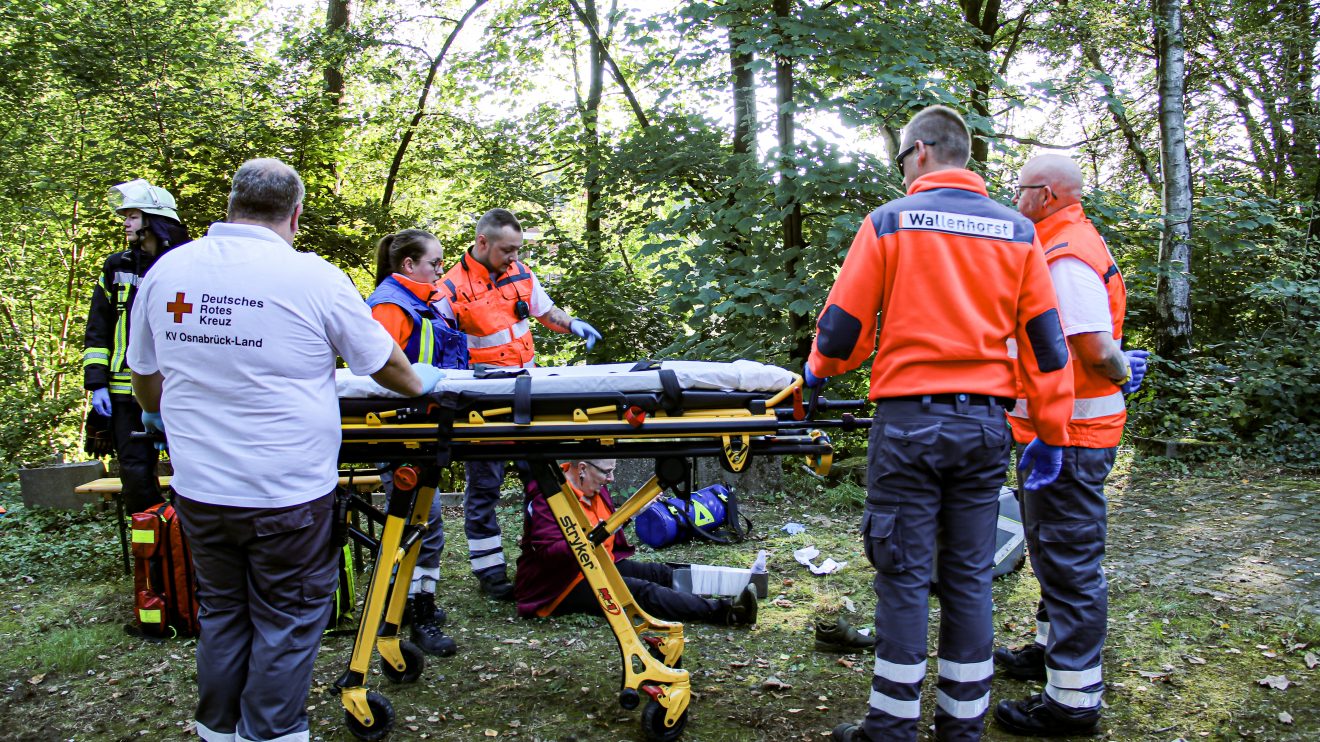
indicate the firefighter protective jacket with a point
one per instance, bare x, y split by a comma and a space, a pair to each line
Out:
105, 344
960, 292
1098, 413
485, 307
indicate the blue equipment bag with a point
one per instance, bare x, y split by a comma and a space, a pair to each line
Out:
671, 520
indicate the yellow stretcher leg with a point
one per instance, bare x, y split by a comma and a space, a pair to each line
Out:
369, 715
649, 661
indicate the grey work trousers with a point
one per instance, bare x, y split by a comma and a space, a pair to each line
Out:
485, 543
265, 581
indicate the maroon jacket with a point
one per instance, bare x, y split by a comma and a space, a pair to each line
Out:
546, 566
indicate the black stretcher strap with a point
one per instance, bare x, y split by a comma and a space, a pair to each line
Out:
522, 400
672, 397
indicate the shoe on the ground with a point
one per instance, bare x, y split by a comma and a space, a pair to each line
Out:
496, 585
839, 636
1030, 717
741, 611
426, 633
849, 732
1024, 663
440, 616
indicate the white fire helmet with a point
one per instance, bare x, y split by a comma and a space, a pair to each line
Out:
142, 195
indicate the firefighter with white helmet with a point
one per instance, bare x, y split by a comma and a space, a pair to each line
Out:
152, 227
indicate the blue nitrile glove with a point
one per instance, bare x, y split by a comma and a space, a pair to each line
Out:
430, 376
811, 380
584, 331
101, 401
152, 423
1136, 362
1045, 462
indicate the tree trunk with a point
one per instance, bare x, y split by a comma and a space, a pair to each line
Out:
1173, 331
787, 198
336, 26
983, 15
590, 121
744, 90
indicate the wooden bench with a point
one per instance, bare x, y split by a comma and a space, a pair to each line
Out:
112, 488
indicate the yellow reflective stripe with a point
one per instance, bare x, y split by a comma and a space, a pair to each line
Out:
146, 616
120, 388
143, 537
121, 342
96, 352
427, 352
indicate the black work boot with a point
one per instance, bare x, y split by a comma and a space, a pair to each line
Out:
1030, 717
496, 585
1024, 663
741, 611
849, 732
440, 616
426, 632
838, 636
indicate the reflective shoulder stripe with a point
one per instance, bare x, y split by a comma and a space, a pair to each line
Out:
966, 672
894, 707
1083, 409
906, 674
973, 709
1074, 699
1074, 679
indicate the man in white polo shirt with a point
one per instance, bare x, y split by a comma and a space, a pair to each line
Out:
233, 353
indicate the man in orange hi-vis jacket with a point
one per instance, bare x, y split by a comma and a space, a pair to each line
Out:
965, 308
1066, 521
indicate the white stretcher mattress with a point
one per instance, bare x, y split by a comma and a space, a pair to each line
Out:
741, 375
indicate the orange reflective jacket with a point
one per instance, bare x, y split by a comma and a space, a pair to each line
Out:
964, 303
1098, 413
484, 306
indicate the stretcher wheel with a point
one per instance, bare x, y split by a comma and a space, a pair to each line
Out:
382, 719
414, 662
653, 723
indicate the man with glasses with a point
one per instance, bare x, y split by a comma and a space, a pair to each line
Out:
967, 309
1066, 521
550, 583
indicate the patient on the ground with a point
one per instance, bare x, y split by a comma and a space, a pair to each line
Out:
549, 582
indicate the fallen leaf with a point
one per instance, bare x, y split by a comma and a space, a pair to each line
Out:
782, 603
1161, 675
1270, 654
1195, 660
849, 606
1278, 682
774, 683
795, 711
844, 662
1285, 717
1311, 660
491, 733
36, 679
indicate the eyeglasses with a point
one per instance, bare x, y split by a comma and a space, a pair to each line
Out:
902, 155
435, 264
607, 473
1018, 189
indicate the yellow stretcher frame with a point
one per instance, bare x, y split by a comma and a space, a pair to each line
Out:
651, 649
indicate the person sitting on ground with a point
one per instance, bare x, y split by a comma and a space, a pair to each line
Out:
550, 583
407, 266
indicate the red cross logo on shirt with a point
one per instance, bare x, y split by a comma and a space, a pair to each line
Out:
178, 308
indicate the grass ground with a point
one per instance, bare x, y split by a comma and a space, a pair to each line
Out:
1180, 663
